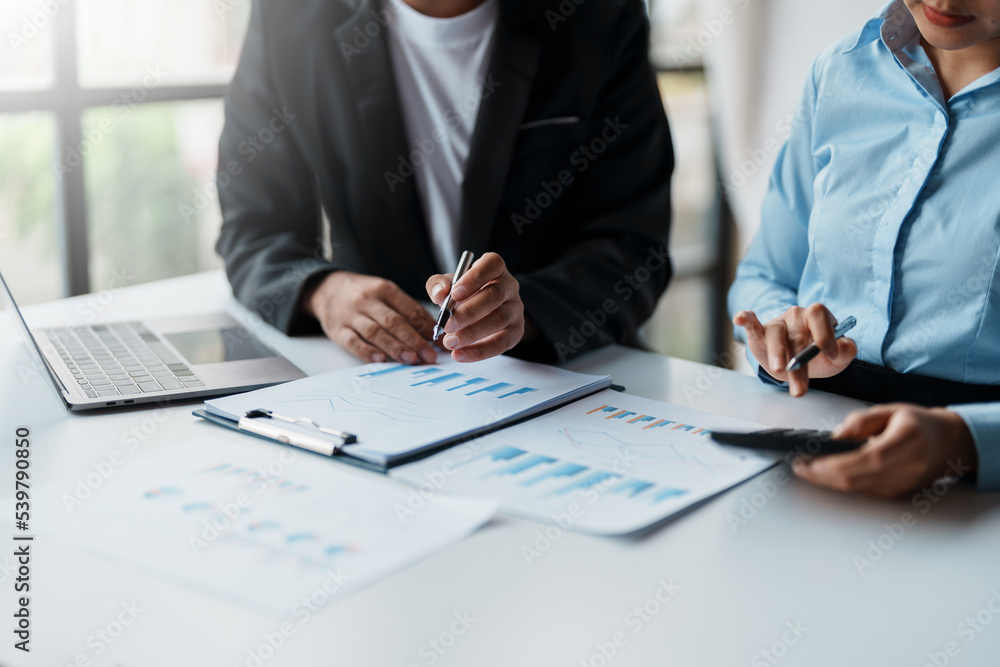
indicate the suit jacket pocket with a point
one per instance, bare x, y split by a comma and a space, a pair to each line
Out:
548, 134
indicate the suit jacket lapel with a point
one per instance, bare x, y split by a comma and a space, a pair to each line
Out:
506, 91
369, 71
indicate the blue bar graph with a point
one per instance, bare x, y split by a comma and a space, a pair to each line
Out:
384, 371
467, 383
664, 494
564, 470
593, 479
631, 487
439, 379
505, 453
492, 388
522, 465
523, 390
553, 477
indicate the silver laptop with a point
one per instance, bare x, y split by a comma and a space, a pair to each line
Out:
151, 361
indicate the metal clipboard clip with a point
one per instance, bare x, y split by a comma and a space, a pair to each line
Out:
261, 422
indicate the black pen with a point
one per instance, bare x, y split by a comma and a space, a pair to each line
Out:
811, 352
463, 266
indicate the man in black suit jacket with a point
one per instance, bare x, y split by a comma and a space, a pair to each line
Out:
565, 198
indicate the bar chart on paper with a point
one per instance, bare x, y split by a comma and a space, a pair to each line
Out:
257, 524
622, 461
397, 410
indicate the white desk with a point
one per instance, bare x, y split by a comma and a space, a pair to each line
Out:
791, 563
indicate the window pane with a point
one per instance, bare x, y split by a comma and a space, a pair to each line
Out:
152, 203
191, 41
679, 327
29, 252
26, 50
694, 184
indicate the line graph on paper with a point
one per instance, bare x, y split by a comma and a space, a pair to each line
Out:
604, 448
334, 403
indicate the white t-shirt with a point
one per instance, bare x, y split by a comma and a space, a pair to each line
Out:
439, 67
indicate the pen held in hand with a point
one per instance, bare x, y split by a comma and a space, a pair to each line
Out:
811, 352
448, 305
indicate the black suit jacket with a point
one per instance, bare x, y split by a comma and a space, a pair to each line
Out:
568, 177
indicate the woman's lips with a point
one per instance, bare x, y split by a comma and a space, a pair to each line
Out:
946, 20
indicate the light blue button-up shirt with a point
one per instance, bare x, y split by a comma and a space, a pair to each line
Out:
885, 204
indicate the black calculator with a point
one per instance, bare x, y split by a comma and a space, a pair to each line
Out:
788, 440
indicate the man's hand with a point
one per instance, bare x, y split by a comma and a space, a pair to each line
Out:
908, 448
488, 318
774, 344
372, 318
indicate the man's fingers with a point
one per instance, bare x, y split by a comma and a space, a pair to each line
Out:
864, 423
375, 334
821, 323
415, 315
438, 286
487, 300
415, 347
495, 321
489, 347
353, 343
487, 268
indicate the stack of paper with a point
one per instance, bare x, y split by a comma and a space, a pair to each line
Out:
398, 412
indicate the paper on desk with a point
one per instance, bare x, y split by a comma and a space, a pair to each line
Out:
398, 410
262, 524
610, 464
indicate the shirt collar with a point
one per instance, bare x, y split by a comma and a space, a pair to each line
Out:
894, 24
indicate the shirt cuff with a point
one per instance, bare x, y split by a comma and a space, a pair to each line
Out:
983, 420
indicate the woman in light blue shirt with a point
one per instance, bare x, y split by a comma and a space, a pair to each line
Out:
884, 204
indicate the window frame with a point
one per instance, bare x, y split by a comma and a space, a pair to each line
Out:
67, 101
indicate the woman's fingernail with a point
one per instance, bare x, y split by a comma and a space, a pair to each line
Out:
436, 292
451, 342
798, 466
429, 356
451, 326
409, 358
458, 355
460, 293
378, 357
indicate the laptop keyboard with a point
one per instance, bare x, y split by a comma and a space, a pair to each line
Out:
120, 360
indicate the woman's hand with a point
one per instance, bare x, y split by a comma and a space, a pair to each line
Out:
907, 448
775, 343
